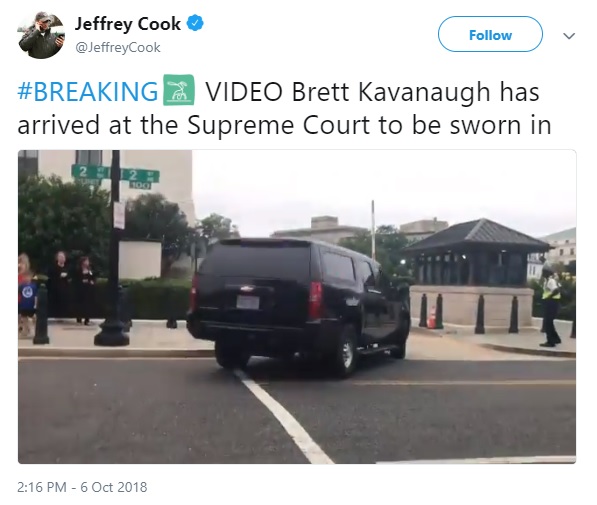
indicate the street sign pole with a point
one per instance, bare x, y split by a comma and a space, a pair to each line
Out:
112, 330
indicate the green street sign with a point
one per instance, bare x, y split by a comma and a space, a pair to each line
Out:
90, 172
90, 182
139, 185
126, 174
140, 175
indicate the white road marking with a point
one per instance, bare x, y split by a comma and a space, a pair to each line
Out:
300, 437
495, 461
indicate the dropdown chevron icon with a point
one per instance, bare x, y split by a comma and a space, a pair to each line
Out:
569, 36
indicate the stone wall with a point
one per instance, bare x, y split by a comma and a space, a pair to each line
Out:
460, 304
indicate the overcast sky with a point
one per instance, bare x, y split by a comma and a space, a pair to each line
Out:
265, 191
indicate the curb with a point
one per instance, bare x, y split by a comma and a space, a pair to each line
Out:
112, 352
530, 352
417, 330
557, 460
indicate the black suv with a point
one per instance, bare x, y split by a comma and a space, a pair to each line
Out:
277, 297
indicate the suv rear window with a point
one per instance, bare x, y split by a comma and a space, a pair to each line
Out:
268, 259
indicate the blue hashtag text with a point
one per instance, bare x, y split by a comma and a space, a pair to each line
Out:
24, 90
89, 92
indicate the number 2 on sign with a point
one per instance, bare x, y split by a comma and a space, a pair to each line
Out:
83, 172
133, 175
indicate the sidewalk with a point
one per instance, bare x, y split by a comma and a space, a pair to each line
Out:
525, 342
147, 340
154, 340
522, 343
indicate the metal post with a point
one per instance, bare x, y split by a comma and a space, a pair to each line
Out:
125, 312
171, 323
423, 316
480, 326
573, 332
41, 317
514, 316
439, 313
112, 334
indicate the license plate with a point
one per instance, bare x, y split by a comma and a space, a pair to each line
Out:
247, 302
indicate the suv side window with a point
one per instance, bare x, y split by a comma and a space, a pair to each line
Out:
366, 275
338, 266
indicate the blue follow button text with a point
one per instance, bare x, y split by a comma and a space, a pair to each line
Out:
490, 34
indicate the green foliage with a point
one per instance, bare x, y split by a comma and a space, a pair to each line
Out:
158, 299
154, 299
54, 215
388, 244
152, 217
216, 226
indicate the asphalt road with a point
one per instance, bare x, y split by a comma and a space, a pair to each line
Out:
190, 411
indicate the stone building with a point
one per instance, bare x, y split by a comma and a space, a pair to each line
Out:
418, 230
324, 228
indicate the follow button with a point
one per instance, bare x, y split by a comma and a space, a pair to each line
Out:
490, 34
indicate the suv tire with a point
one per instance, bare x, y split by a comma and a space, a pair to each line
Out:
344, 359
231, 357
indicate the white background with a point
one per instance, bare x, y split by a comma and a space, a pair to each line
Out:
319, 43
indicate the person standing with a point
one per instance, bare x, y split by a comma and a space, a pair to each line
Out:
39, 41
84, 281
551, 304
58, 287
27, 304
24, 267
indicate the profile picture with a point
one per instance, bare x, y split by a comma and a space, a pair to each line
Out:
41, 35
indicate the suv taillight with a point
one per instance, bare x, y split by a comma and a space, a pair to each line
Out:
193, 296
315, 301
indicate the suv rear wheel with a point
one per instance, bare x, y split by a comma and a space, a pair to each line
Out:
344, 360
230, 357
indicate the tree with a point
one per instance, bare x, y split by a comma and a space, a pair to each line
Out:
216, 227
152, 217
54, 215
388, 244
571, 268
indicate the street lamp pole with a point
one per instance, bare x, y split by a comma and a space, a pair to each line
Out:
112, 329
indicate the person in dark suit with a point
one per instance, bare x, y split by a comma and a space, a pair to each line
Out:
59, 279
84, 282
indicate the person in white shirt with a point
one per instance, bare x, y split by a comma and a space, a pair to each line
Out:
551, 304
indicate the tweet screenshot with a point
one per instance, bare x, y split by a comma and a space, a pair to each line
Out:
257, 238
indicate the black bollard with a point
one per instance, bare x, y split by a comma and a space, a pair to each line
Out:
439, 312
480, 326
125, 308
573, 332
423, 316
41, 317
171, 323
514, 316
